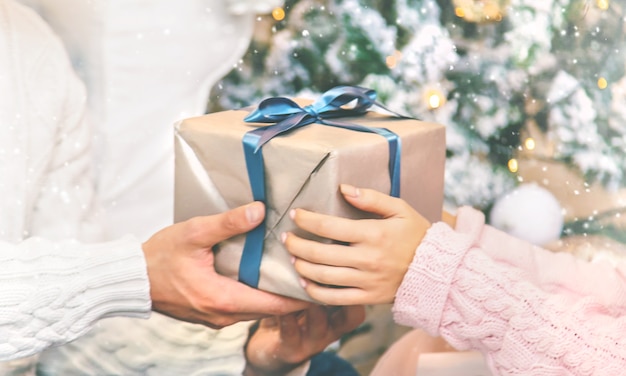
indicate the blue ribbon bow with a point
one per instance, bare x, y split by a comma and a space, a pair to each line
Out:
341, 101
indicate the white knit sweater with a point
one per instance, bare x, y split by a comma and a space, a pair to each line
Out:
146, 64
51, 290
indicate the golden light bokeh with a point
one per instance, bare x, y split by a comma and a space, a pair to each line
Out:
529, 143
392, 60
480, 11
602, 4
513, 165
278, 14
602, 83
491, 12
434, 99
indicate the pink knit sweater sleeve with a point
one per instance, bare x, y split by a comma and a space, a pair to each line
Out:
530, 311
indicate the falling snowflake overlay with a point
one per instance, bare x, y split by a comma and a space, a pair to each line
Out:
478, 79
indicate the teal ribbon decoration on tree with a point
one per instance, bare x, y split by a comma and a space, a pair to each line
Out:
288, 116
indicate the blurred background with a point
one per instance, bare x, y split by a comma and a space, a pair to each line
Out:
532, 93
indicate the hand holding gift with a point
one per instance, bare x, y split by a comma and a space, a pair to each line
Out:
223, 162
371, 257
217, 301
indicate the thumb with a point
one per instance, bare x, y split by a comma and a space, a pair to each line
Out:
219, 227
375, 202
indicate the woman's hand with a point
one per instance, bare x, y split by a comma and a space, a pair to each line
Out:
282, 343
369, 268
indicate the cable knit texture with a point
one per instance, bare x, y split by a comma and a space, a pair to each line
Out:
530, 311
51, 291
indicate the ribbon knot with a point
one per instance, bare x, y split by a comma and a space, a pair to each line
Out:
287, 115
340, 101
311, 111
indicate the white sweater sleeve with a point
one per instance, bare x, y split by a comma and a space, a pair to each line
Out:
51, 293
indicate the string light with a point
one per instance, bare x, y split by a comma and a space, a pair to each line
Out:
434, 99
513, 165
602, 4
602, 83
529, 143
278, 14
392, 60
480, 11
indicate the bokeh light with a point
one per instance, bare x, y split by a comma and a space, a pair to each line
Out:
602, 4
278, 14
513, 165
434, 99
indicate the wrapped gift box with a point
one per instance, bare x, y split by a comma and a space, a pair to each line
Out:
303, 169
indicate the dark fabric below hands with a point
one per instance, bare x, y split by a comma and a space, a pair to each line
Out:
330, 364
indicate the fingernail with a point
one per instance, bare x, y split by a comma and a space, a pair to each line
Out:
292, 213
303, 283
349, 190
293, 259
283, 236
253, 213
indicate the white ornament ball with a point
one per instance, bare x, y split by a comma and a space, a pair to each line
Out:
529, 212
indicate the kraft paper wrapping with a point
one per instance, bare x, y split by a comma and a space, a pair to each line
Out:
303, 170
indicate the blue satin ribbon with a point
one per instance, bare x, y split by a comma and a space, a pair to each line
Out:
341, 101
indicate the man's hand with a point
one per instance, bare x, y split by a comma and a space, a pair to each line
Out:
282, 343
183, 281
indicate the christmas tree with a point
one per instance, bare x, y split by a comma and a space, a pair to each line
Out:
487, 69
